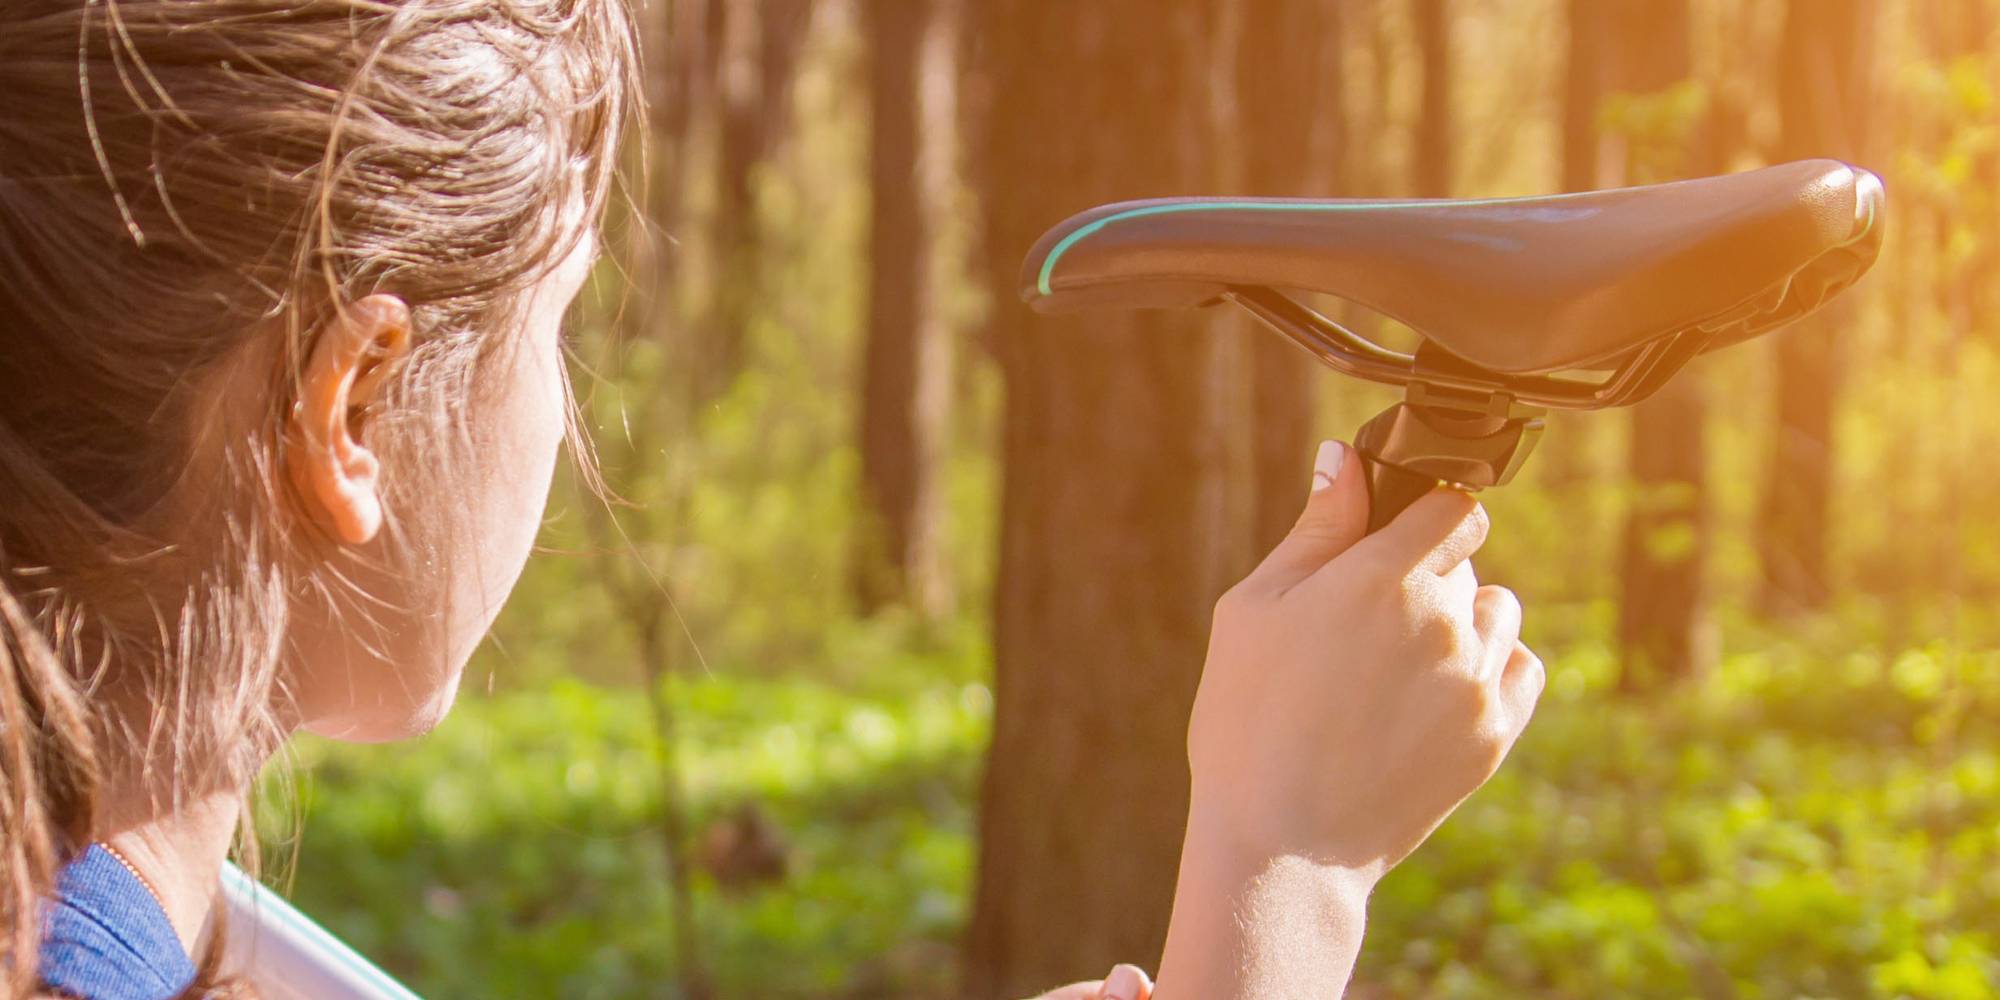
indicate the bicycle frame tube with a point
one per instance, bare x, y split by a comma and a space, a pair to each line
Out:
289, 956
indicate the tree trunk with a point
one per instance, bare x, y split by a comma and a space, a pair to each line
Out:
1666, 529
1132, 460
718, 355
1823, 91
675, 38
1563, 462
890, 472
1665, 537
1433, 155
1583, 94
1293, 126
908, 362
756, 45
928, 572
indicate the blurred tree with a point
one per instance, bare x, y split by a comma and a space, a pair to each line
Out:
906, 366
1583, 94
753, 48
1824, 94
1293, 133
1434, 129
1963, 34
680, 77
1581, 97
1563, 461
1131, 454
692, 87
1380, 31
891, 474
1655, 133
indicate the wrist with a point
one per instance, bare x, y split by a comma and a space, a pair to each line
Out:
1249, 838
1228, 854
1254, 919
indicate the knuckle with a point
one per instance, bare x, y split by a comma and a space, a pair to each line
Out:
1498, 612
1499, 596
1534, 670
1477, 521
1530, 660
1456, 507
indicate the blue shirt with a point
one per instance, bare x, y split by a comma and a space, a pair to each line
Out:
104, 936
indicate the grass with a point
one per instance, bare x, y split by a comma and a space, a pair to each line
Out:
1802, 823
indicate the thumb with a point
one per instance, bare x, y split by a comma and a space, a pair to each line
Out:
1336, 516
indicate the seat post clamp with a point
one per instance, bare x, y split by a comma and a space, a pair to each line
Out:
1451, 442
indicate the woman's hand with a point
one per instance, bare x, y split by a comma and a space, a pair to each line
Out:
1126, 982
1358, 688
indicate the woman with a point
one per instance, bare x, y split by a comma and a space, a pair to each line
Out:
281, 393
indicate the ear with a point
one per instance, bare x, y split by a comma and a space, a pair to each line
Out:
338, 477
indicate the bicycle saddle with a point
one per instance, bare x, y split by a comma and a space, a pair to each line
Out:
1518, 286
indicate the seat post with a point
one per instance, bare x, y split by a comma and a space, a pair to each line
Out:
1443, 436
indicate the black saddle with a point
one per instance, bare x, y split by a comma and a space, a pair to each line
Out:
1506, 293
1514, 286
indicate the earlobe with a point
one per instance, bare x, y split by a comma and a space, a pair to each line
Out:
336, 475
357, 518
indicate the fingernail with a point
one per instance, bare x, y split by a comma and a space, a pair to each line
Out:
1125, 982
1326, 465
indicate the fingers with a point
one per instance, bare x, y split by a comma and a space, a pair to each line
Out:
1518, 672
1521, 683
1127, 982
1461, 586
1496, 617
1336, 516
1436, 533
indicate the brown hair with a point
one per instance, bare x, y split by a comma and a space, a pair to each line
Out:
186, 187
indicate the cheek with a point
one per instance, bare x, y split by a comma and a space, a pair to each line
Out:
515, 456
399, 678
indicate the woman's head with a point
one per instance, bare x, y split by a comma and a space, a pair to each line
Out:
280, 390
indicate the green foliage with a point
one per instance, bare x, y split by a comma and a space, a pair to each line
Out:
1802, 823
515, 852
1659, 128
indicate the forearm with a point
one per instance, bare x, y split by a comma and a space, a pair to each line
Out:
1257, 925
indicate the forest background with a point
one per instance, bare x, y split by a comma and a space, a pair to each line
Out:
899, 570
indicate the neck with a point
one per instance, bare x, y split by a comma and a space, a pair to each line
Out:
175, 832
179, 852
